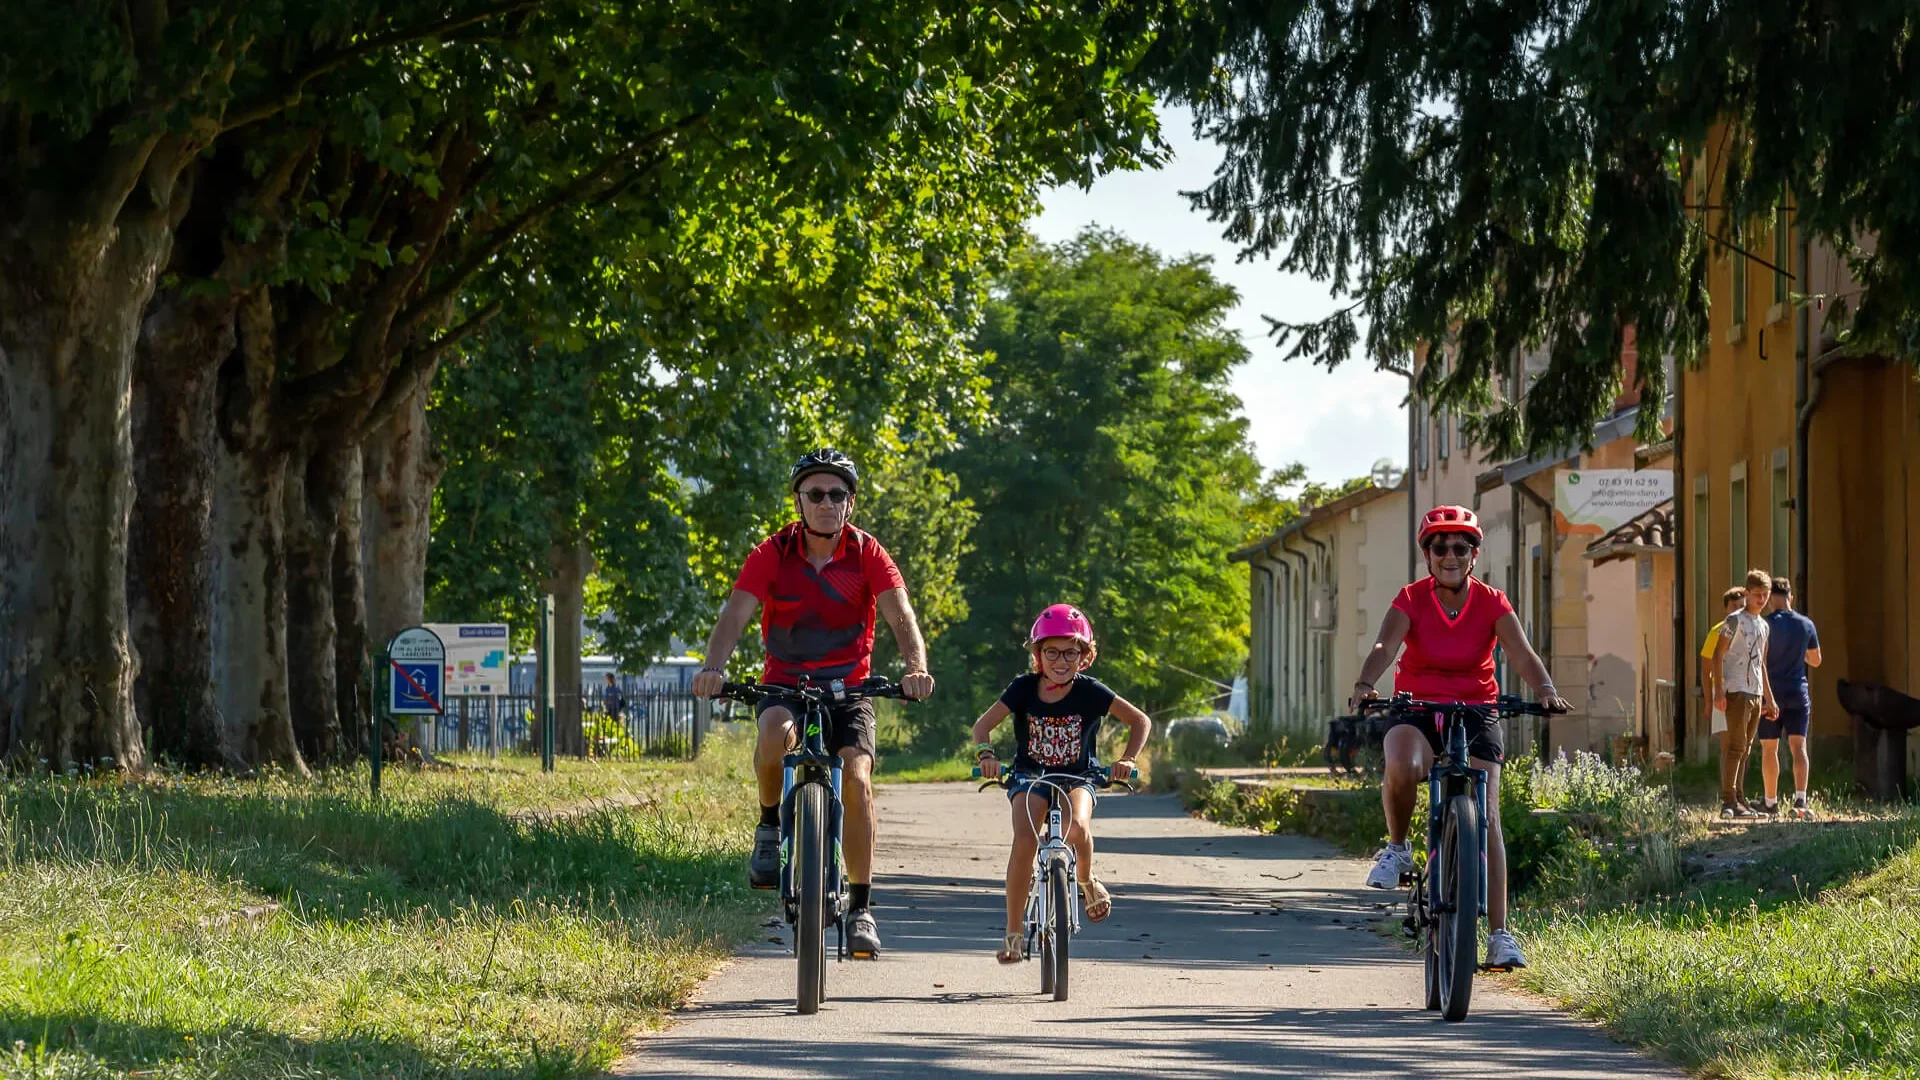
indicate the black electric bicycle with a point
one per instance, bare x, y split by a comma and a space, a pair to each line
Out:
1445, 904
1053, 900
813, 893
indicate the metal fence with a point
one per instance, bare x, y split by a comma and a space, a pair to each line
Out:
655, 720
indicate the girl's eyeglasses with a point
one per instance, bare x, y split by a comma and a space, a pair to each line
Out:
1071, 656
1459, 549
816, 496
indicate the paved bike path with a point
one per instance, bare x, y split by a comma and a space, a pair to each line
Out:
1227, 952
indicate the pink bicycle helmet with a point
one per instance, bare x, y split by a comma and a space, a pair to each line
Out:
1061, 620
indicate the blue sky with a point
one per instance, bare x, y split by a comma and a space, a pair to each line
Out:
1336, 423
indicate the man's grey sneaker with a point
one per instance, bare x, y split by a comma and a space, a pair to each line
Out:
863, 935
763, 872
1388, 866
1737, 811
1503, 951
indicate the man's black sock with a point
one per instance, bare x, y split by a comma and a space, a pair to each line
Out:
770, 816
859, 896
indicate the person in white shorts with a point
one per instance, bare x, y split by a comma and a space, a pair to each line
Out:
1732, 600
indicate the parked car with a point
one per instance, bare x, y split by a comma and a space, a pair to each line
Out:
1213, 727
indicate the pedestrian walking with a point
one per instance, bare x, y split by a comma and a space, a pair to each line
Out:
611, 699
1740, 656
1793, 646
1731, 601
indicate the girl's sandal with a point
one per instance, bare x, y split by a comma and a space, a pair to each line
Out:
1099, 901
1010, 950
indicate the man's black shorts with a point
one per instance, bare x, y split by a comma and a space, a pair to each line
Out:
1485, 739
849, 725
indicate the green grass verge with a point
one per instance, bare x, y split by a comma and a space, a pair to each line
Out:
459, 927
1807, 964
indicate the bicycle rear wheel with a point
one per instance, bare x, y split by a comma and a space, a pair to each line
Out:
810, 889
1457, 930
1061, 890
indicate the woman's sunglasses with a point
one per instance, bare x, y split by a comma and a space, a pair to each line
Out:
1459, 549
816, 496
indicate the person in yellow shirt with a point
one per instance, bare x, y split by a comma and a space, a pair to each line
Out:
1732, 600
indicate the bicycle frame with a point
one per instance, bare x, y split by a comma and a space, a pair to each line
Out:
1053, 848
813, 764
1455, 764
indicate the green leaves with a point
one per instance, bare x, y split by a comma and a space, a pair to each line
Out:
1505, 178
1112, 472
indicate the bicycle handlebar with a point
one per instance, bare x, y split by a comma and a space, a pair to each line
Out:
1504, 705
1102, 778
832, 693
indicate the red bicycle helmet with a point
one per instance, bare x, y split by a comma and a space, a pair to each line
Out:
1444, 519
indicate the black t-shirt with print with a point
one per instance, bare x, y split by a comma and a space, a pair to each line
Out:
1056, 736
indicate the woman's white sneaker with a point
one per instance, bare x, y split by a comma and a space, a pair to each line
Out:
1393, 861
1503, 951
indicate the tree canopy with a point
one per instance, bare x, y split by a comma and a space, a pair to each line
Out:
1509, 176
1113, 472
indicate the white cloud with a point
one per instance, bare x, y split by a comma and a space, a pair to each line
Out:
1336, 423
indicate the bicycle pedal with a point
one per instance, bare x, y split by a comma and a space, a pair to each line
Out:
1501, 968
762, 888
1406, 881
858, 954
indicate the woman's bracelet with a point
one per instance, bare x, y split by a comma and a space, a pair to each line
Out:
981, 750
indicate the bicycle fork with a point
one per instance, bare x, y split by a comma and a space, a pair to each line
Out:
1436, 799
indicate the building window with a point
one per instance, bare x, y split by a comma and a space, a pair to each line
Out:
1780, 256
1782, 493
1704, 608
1737, 523
1738, 299
1441, 445
1644, 564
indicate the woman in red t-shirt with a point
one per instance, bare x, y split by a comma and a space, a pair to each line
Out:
1449, 623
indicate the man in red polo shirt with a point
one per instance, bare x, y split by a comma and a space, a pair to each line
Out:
820, 581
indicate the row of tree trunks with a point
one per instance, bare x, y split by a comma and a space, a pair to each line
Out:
71, 302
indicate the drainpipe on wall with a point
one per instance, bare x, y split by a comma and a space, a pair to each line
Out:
1301, 579
1324, 708
1682, 653
1809, 387
1548, 552
1413, 504
1267, 662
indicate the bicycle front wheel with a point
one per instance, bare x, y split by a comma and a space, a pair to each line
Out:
810, 889
1042, 899
1060, 888
1457, 930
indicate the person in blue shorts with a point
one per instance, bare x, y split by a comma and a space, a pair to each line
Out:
1793, 646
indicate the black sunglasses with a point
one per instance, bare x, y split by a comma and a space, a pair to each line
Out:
816, 496
1459, 549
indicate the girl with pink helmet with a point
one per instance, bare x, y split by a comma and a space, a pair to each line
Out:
1057, 711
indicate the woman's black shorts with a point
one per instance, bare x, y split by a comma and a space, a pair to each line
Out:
1485, 739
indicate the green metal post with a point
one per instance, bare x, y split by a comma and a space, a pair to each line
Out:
378, 677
